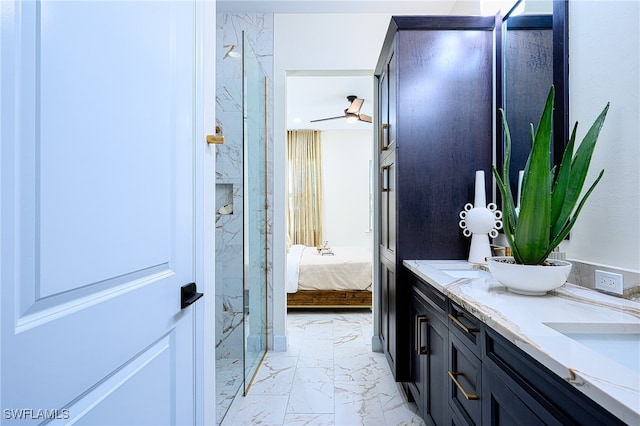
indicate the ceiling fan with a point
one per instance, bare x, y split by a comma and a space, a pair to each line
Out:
352, 114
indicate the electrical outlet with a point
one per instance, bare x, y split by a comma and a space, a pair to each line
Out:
609, 281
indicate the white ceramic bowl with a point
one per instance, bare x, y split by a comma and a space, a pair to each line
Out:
531, 280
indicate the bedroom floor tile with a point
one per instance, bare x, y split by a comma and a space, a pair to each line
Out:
328, 376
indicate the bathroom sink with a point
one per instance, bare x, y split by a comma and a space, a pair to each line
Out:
619, 342
466, 273
460, 270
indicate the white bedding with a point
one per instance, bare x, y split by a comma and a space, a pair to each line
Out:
350, 268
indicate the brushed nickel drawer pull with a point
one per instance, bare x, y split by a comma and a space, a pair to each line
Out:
469, 396
462, 326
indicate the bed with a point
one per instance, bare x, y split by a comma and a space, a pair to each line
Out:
317, 280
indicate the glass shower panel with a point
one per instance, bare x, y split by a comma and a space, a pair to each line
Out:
255, 214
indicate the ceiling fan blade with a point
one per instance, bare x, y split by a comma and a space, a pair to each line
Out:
355, 106
325, 119
364, 117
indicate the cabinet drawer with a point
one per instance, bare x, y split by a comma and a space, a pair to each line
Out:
465, 382
466, 327
432, 296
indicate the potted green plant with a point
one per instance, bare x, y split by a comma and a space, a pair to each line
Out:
550, 203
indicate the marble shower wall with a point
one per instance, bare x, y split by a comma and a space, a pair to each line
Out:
258, 29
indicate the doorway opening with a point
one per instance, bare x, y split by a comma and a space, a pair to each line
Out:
319, 101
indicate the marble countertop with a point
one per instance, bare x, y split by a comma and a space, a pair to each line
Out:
614, 384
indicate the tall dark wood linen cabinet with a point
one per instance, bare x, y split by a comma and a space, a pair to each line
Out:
435, 121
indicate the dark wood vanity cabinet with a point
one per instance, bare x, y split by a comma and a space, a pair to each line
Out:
434, 131
465, 373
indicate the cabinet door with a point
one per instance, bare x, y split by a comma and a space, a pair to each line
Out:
419, 351
383, 110
387, 105
393, 95
465, 381
388, 207
501, 405
429, 360
388, 310
436, 407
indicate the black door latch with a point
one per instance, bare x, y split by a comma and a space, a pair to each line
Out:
188, 295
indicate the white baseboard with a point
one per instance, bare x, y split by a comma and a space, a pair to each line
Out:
376, 344
279, 343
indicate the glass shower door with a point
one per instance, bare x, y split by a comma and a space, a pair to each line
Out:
255, 213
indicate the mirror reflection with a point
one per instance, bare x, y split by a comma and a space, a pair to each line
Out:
533, 57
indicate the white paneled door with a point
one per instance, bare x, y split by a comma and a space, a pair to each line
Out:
98, 130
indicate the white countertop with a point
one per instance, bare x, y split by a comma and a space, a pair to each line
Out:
521, 320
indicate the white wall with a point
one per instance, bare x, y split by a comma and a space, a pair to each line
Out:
346, 156
604, 47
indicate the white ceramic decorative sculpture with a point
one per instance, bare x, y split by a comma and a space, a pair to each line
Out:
480, 221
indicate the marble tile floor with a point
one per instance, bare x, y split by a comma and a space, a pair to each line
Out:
328, 376
228, 384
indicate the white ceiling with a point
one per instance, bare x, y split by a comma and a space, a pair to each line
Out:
338, 6
324, 94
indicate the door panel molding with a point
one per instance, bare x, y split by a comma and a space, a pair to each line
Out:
158, 360
54, 307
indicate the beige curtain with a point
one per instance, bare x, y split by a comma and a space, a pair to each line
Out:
304, 213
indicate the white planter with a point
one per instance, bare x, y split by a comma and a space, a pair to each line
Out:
531, 280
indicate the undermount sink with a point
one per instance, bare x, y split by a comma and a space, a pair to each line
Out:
460, 270
617, 341
466, 273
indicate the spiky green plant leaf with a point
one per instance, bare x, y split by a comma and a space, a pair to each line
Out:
578, 170
549, 196
534, 219
509, 208
557, 239
561, 183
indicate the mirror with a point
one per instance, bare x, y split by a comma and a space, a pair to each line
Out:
532, 55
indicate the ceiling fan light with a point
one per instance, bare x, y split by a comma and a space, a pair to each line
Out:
351, 114
352, 118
